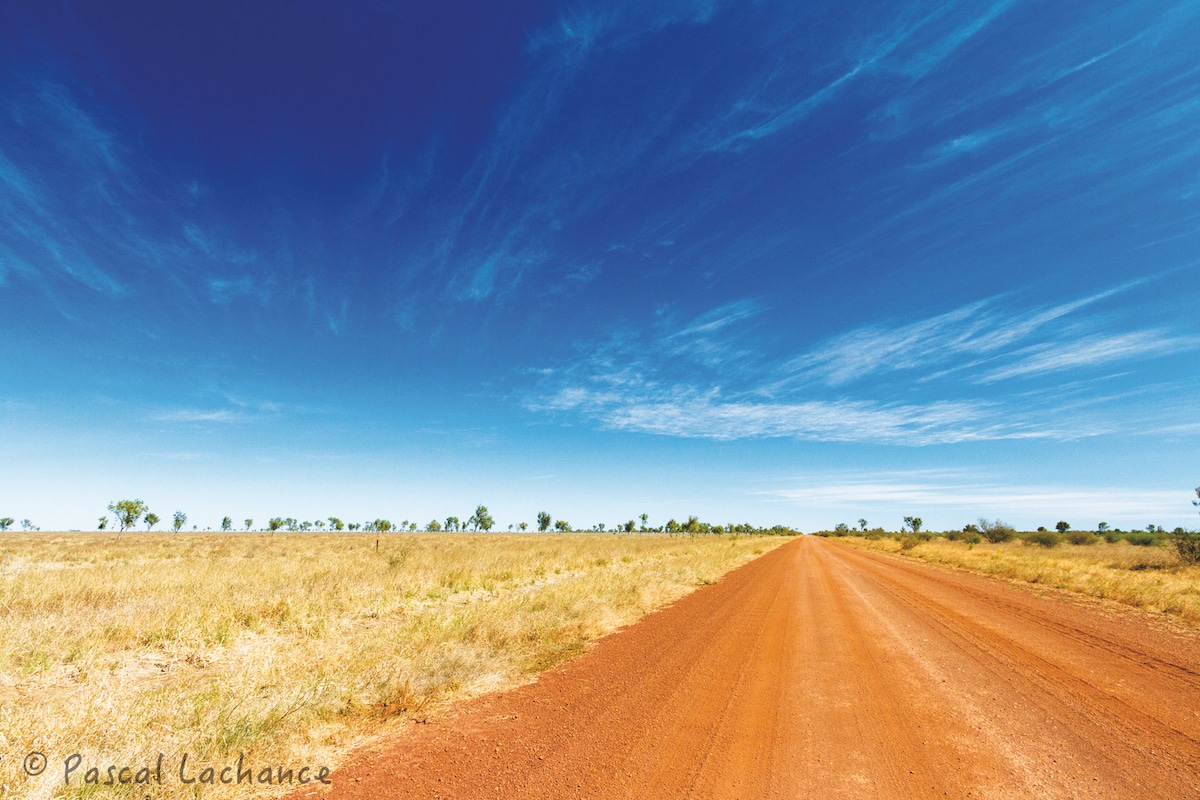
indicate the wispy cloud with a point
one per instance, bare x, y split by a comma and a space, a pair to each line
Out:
200, 415
913, 48
1091, 351
235, 410
680, 412
83, 206
988, 340
945, 495
225, 290
705, 378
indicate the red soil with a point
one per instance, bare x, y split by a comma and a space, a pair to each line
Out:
821, 671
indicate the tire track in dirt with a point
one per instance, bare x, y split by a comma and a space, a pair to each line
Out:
821, 671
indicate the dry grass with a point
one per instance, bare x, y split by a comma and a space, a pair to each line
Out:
1146, 577
295, 648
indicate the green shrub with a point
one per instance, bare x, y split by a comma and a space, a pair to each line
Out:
1141, 539
1112, 537
996, 532
1044, 538
1187, 544
909, 542
972, 538
1082, 537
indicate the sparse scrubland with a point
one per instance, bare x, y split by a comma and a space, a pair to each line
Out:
293, 648
1138, 570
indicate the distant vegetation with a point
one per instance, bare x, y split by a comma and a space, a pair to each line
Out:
1185, 543
1148, 568
128, 513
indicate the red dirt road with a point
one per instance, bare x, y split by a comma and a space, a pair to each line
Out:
820, 671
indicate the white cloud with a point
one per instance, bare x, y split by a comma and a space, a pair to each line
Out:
983, 334
200, 415
704, 378
943, 497
830, 421
1092, 351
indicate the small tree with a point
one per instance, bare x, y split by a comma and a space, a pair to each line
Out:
543, 521
6, 523
27, 525
151, 520
523, 526
274, 524
179, 519
249, 523
336, 524
434, 526
630, 526
644, 518
862, 524
1187, 543
913, 523
1102, 527
562, 525
995, 532
382, 525
451, 523
1062, 526
226, 524
127, 512
482, 520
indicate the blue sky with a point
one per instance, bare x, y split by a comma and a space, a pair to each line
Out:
751, 261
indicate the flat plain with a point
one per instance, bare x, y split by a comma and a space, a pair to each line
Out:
294, 648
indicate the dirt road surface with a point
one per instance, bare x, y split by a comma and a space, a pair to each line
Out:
820, 671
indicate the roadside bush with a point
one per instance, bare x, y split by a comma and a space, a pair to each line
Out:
909, 542
1141, 539
996, 532
1044, 538
1082, 537
1187, 544
969, 534
1112, 537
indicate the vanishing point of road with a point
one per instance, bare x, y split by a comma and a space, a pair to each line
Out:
821, 671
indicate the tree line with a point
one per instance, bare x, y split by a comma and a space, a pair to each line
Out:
128, 514
1186, 542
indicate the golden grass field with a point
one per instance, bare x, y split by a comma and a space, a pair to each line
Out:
1146, 577
294, 648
